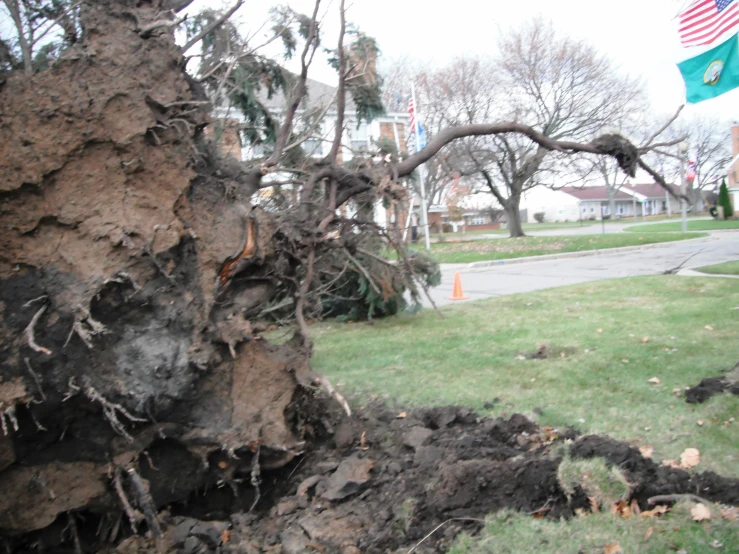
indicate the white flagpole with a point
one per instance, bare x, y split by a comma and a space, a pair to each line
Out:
424, 212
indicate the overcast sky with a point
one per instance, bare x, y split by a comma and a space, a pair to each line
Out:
639, 35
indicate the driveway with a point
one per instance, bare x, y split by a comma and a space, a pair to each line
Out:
511, 278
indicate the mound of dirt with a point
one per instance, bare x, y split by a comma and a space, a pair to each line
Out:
376, 483
714, 385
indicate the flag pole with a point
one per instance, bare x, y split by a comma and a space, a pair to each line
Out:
424, 212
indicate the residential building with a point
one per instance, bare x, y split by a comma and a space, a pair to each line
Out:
733, 171
472, 220
320, 102
592, 203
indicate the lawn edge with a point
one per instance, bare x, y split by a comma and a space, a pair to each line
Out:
580, 254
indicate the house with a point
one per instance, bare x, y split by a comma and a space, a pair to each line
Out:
733, 171
440, 217
592, 203
320, 101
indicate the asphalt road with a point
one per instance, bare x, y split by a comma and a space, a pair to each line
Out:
511, 278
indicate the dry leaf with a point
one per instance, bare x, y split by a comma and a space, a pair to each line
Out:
700, 512
635, 509
363, 441
626, 361
562, 354
402, 415
594, 504
657, 511
671, 463
225, 536
533, 379
646, 451
580, 512
600, 330
700, 423
709, 328
730, 514
690, 458
645, 339
654, 381
621, 508
613, 548
648, 533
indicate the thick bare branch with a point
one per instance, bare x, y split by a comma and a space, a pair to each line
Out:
341, 91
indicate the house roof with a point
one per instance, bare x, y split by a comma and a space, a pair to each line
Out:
652, 190
317, 95
594, 193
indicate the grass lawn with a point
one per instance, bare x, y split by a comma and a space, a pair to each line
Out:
498, 249
595, 381
727, 268
696, 225
526, 227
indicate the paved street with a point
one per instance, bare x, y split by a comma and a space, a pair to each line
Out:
511, 278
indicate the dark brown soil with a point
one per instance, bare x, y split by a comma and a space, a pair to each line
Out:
374, 483
714, 385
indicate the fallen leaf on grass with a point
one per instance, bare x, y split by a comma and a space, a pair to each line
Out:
594, 504
622, 509
709, 328
700, 423
654, 381
402, 415
656, 512
600, 330
648, 533
716, 544
613, 548
646, 451
671, 463
625, 361
690, 458
730, 514
645, 339
700, 512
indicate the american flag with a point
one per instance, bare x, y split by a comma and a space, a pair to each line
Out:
412, 114
706, 20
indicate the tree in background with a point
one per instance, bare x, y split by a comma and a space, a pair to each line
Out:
724, 201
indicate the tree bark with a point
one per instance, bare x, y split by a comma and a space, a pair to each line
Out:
513, 215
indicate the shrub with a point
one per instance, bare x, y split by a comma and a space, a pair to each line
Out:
725, 201
539, 217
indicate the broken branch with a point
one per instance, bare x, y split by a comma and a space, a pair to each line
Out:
30, 333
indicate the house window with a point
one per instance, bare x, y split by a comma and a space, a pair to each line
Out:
359, 136
592, 209
313, 147
620, 209
478, 220
584, 209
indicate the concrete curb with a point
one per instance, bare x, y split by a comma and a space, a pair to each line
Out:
693, 273
582, 254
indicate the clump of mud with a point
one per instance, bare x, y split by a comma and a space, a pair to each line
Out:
378, 482
714, 385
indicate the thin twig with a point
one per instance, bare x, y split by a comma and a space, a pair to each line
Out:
256, 478
336, 395
442, 525
214, 25
662, 129
134, 516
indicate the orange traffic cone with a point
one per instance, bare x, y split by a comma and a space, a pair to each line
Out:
457, 293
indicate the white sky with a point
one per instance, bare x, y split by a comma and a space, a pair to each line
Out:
639, 35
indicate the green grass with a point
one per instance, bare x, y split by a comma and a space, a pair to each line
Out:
727, 268
504, 231
497, 249
508, 532
477, 354
695, 225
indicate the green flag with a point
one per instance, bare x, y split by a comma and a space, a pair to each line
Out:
713, 72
